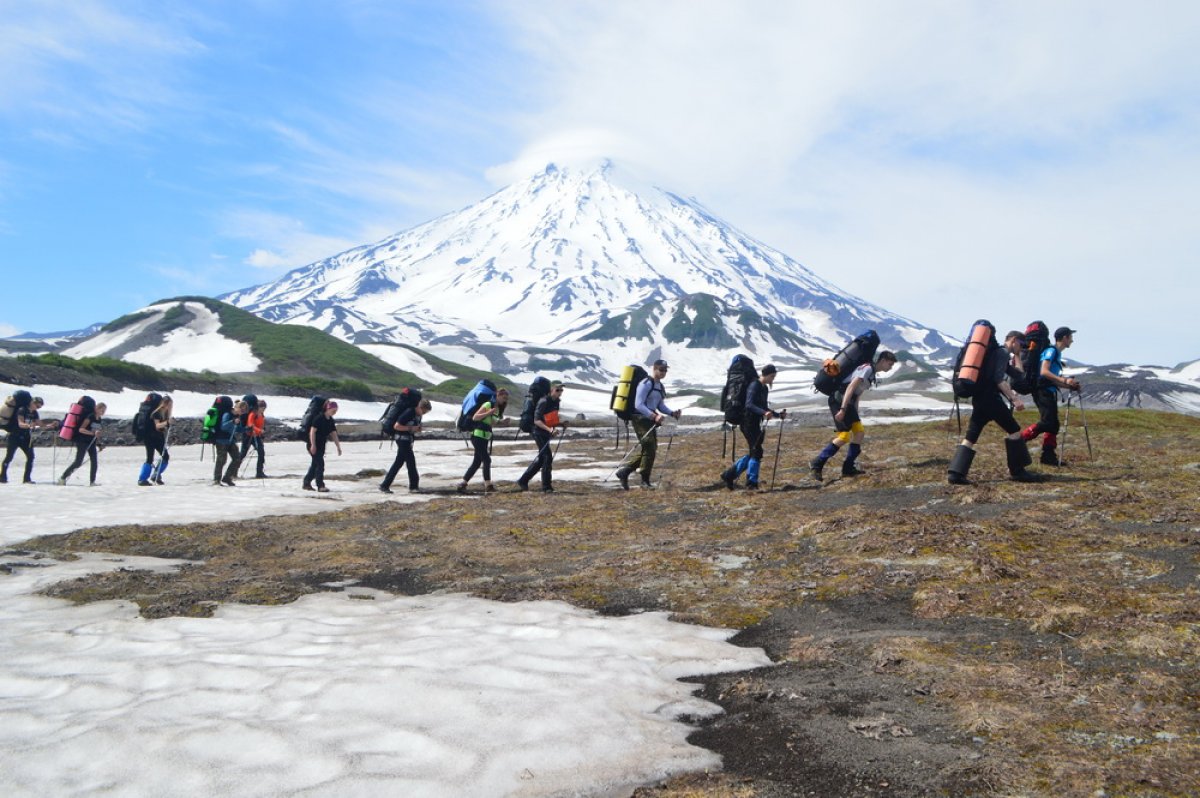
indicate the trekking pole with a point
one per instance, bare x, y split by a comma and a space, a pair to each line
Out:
666, 457
778, 445
1086, 436
652, 431
1062, 449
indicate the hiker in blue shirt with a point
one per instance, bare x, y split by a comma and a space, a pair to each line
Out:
651, 410
225, 443
1045, 396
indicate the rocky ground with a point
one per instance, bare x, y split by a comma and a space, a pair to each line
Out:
996, 639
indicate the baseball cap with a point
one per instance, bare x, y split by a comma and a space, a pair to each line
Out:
660, 363
1063, 332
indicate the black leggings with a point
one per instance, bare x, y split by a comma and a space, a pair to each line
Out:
85, 446
483, 457
23, 441
752, 431
157, 446
406, 457
1047, 405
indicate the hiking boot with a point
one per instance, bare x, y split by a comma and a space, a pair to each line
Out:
851, 470
322, 489
729, 478
414, 490
1050, 457
307, 487
489, 487
229, 482
960, 465
547, 489
815, 467
144, 483
522, 486
158, 481
382, 489
462, 488
1018, 457
751, 486
623, 477
3, 480
60, 481
28, 482
646, 483
261, 475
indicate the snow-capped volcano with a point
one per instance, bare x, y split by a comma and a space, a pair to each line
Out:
580, 260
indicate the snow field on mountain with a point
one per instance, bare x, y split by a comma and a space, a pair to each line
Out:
406, 360
195, 346
352, 693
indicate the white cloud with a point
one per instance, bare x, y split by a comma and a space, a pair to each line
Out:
1021, 158
7, 330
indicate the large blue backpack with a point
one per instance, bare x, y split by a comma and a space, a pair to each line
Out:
484, 391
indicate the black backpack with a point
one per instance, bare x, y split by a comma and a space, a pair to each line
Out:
975, 365
539, 388
316, 406
8, 412
405, 400
854, 354
484, 391
142, 423
251, 401
624, 393
737, 382
1037, 338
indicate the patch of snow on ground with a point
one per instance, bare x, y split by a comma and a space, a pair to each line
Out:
354, 693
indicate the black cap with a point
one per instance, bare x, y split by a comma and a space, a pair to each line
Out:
660, 362
1063, 332
768, 369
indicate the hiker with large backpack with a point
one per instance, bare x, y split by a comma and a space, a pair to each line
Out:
404, 427
224, 438
843, 406
990, 368
21, 425
755, 411
1045, 395
321, 430
256, 421
89, 418
546, 424
649, 412
153, 429
485, 418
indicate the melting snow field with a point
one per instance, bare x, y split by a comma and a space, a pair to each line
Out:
351, 693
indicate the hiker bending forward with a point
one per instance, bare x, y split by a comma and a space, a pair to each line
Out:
650, 411
756, 412
20, 437
407, 425
87, 440
322, 431
843, 406
987, 405
546, 424
1045, 395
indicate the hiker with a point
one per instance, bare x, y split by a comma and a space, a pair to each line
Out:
406, 426
320, 432
546, 424
481, 440
1045, 396
756, 412
1001, 366
26, 421
225, 441
253, 437
87, 443
843, 406
650, 410
155, 439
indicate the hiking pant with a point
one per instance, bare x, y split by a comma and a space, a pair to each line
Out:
85, 446
404, 456
226, 451
544, 461
641, 458
1047, 405
316, 468
989, 406
483, 457
851, 416
22, 440
257, 442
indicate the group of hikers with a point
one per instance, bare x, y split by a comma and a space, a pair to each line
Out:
986, 372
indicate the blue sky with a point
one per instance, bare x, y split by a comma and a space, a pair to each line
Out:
947, 160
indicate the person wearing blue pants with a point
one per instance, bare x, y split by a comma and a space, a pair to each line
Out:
757, 411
